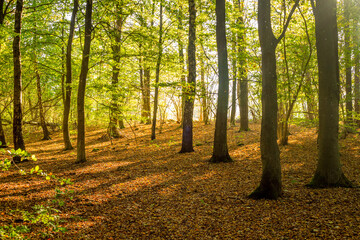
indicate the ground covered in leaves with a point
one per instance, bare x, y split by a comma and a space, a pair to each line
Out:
134, 188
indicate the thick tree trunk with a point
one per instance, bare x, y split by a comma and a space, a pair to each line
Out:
270, 184
17, 119
220, 151
189, 93
67, 103
328, 172
157, 74
81, 156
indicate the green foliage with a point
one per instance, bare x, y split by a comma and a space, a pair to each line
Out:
47, 215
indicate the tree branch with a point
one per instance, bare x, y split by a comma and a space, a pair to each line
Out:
288, 21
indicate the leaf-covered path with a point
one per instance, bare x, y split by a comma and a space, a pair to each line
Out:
134, 188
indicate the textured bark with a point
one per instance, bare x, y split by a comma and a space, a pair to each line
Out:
181, 62
145, 113
81, 156
157, 75
357, 72
220, 151
270, 185
328, 172
189, 91
67, 102
17, 119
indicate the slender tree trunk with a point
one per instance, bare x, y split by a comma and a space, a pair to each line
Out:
17, 119
2, 134
347, 56
203, 95
233, 93
270, 185
181, 61
114, 106
242, 82
82, 85
328, 172
146, 96
41, 108
220, 151
357, 72
157, 74
189, 93
67, 103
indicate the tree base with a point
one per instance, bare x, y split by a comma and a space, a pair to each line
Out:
244, 129
17, 159
68, 148
183, 150
271, 193
45, 138
321, 182
221, 159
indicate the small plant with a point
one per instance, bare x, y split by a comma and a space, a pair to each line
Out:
45, 215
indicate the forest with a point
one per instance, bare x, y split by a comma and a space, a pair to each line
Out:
197, 119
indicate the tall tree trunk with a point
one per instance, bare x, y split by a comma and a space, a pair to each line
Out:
189, 93
357, 71
233, 93
181, 61
157, 74
328, 172
17, 119
220, 151
67, 103
347, 56
81, 157
146, 113
40, 103
270, 185
114, 106
242, 82
203, 95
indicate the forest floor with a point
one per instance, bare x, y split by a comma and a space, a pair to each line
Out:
134, 188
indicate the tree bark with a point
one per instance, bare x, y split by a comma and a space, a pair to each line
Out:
67, 102
220, 151
189, 93
270, 184
17, 120
81, 156
157, 74
328, 172
233, 92
203, 95
357, 72
181, 62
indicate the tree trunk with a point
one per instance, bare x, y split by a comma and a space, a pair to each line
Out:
203, 95
347, 58
17, 120
114, 106
82, 85
145, 114
157, 74
41, 109
181, 61
357, 72
220, 151
2, 135
189, 93
67, 103
233, 93
270, 185
328, 172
